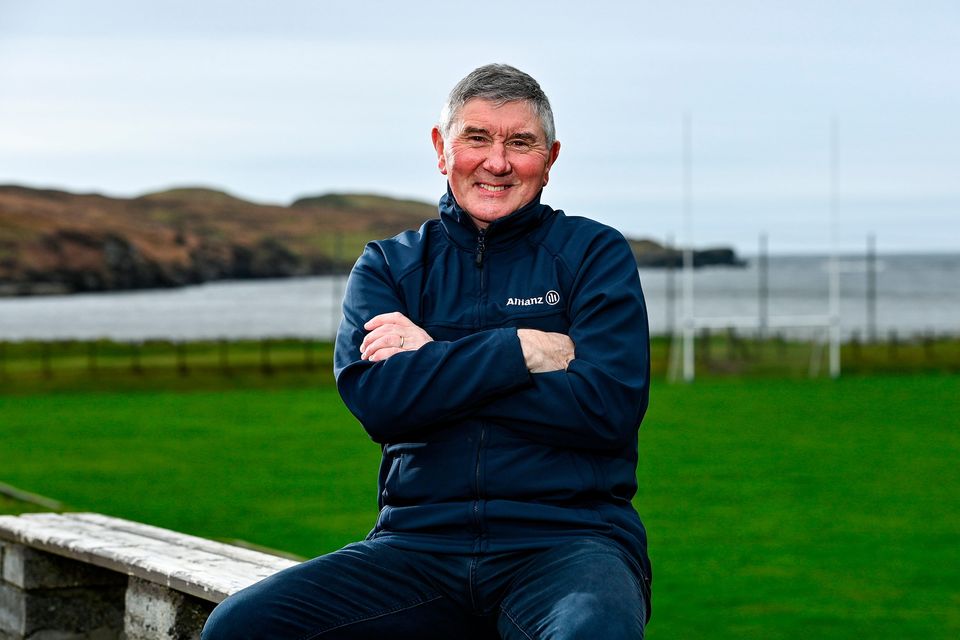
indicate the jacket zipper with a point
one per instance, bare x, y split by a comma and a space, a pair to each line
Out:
481, 247
478, 261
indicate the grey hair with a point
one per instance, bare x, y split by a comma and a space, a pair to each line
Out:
500, 84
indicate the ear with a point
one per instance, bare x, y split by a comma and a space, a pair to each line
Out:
551, 158
437, 138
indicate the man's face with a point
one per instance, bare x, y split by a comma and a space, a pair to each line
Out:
495, 157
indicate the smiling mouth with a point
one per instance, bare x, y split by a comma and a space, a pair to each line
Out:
493, 188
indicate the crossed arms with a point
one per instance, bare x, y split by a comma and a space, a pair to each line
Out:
392, 333
587, 389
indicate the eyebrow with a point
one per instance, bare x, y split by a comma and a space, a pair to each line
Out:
521, 135
469, 131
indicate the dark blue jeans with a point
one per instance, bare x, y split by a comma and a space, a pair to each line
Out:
588, 588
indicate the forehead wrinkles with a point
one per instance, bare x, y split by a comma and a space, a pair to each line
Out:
483, 116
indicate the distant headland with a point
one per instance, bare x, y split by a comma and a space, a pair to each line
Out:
57, 242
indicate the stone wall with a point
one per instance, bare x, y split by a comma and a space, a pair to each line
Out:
92, 577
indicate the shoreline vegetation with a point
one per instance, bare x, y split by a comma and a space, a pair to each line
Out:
55, 242
30, 367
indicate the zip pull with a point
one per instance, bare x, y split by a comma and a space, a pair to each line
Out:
481, 247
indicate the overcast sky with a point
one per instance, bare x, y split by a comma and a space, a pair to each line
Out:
276, 100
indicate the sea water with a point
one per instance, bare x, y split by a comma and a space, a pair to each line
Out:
914, 294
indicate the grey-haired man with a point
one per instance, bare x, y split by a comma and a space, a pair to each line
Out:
499, 355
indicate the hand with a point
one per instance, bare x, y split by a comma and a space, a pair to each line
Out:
544, 352
391, 333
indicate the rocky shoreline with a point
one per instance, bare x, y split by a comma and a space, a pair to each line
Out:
55, 242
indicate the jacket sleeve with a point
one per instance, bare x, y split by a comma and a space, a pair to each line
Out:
599, 401
413, 390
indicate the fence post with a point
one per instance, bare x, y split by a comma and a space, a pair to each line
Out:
224, 348
265, 365
855, 345
731, 344
45, 359
705, 346
135, 366
871, 288
671, 308
308, 360
92, 357
182, 367
781, 344
929, 338
763, 288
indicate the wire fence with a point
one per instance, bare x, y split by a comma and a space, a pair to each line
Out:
727, 351
48, 358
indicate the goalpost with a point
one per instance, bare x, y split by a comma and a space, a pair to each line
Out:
828, 324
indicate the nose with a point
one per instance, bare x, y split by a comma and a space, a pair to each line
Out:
496, 161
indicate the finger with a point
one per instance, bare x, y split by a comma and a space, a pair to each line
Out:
383, 354
388, 341
379, 332
393, 317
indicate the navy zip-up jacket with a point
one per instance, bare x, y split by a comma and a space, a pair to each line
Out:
479, 455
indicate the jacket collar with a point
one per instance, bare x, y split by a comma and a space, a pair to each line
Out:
461, 228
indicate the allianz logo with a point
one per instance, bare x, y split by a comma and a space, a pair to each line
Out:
550, 297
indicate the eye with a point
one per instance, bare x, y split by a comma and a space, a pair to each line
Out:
475, 139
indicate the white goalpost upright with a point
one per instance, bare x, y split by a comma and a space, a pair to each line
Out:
689, 326
834, 261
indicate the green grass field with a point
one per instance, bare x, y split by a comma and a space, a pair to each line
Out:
776, 508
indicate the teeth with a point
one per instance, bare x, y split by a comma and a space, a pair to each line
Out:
490, 187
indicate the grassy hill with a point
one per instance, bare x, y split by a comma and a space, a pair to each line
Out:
60, 242
55, 241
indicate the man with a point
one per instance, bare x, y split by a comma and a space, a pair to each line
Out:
499, 356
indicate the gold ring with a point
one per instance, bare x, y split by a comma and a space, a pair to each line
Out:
401, 342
